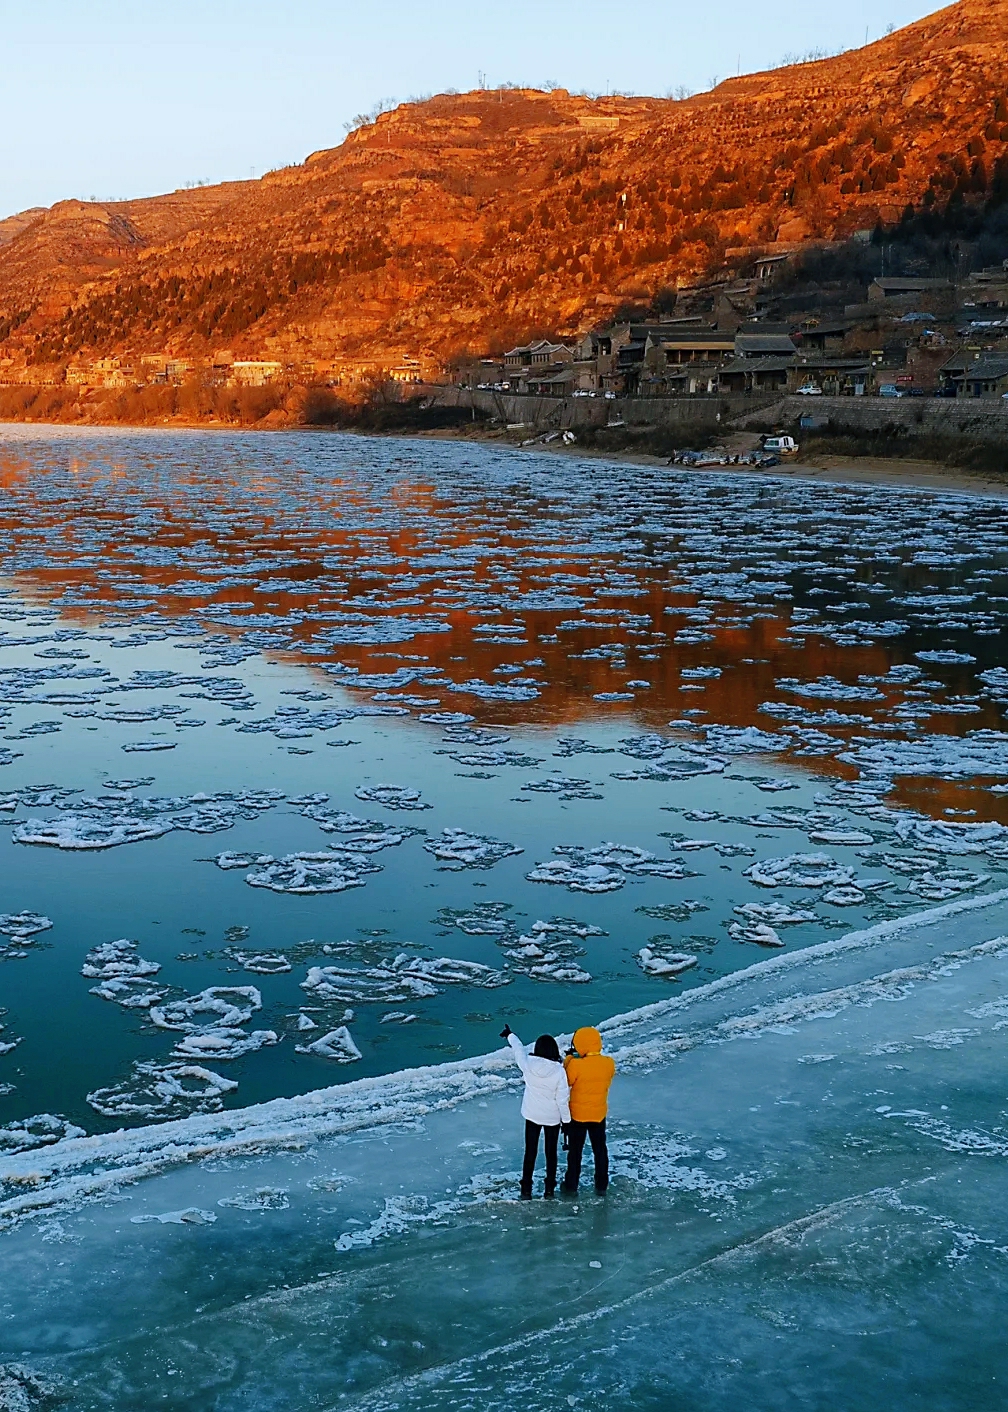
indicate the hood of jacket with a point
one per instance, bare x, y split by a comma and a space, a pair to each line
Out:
587, 1040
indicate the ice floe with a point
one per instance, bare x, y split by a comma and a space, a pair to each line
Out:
402, 978
22, 928
812, 870
123, 974
43, 1130
657, 961
602, 869
163, 1091
457, 848
307, 873
391, 796
759, 932
263, 1198
337, 1045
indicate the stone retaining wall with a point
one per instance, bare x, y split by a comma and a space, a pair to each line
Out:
974, 419
692, 415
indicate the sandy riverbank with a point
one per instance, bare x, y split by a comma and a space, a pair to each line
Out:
877, 471
904, 474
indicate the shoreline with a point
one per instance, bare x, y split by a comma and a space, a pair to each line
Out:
877, 471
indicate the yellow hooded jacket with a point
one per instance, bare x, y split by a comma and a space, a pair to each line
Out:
589, 1074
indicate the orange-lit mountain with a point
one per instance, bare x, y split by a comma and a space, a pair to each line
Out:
469, 220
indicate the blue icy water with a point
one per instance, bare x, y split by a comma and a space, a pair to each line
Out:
322, 756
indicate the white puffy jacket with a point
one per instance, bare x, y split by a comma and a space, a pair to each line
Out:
547, 1096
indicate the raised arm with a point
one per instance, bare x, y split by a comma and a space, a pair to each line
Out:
519, 1051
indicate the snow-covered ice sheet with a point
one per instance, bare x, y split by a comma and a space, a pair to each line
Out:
804, 1155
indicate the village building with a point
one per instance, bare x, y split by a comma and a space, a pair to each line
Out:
818, 337
886, 288
248, 372
543, 367
834, 377
683, 361
973, 374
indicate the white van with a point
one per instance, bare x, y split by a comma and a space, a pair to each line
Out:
783, 445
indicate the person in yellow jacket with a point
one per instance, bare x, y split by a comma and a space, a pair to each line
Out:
589, 1073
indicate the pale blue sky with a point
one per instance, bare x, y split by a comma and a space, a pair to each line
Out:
122, 98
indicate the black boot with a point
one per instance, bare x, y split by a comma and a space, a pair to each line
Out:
525, 1193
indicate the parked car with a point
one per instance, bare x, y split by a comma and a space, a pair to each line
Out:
889, 389
809, 389
782, 445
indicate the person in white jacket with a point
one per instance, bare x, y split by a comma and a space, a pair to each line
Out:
545, 1105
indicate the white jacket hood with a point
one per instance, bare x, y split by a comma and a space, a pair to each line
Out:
547, 1095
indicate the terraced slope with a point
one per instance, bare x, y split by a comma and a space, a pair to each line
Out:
473, 219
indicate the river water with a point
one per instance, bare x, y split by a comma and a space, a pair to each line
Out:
322, 756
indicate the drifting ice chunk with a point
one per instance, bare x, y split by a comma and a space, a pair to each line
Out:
82, 832
29, 1133
587, 877
602, 869
260, 963
670, 964
307, 873
223, 1042
840, 837
264, 1198
404, 978
163, 1091
117, 960
469, 850
846, 896
228, 1005
938, 886
22, 925
122, 973
242, 860
800, 870
189, 1216
392, 796
944, 836
337, 1045
759, 932
777, 914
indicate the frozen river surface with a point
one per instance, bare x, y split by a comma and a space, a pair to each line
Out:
319, 757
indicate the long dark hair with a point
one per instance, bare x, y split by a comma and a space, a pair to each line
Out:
546, 1048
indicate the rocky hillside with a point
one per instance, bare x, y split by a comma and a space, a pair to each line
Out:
471, 220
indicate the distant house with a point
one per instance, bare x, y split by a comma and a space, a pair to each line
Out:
247, 372
539, 363
551, 384
687, 346
593, 361
406, 370
683, 361
836, 377
755, 374
760, 344
815, 337
881, 290
988, 288
976, 375
537, 355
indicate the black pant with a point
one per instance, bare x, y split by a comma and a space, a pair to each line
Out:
551, 1137
576, 1134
